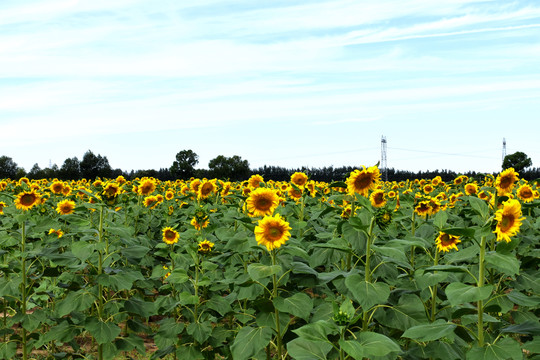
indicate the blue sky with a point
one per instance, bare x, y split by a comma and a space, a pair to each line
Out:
287, 83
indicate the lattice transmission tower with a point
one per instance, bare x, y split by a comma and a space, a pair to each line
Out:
384, 165
504, 149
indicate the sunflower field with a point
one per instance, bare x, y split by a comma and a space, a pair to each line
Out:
210, 269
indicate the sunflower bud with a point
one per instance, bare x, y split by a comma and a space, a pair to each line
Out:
383, 218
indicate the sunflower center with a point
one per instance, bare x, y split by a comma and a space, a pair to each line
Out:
507, 222
526, 194
379, 198
169, 235
362, 181
263, 204
28, 199
274, 233
506, 181
446, 240
206, 189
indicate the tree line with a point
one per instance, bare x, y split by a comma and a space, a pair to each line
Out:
233, 168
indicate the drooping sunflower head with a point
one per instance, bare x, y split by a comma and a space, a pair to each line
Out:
505, 181
205, 246
377, 198
525, 193
206, 189
27, 200
262, 201
65, 207
272, 232
59, 233
255, 181
445, 242
169, 235
2, 206
299, 179
508, 220
383, 218
362, 181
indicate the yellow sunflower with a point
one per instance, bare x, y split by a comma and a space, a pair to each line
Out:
299, 179
205, 246
294, 193
428, 188
170, 236
361, 181
198, 226
508, 220
378, 198
272, 232
111, 190
471, 189
146, 187
57, 187
206, 189
27, 200
505, 181
151, 201
262, 201
255, 181
59, 233
445, 242
436, 181
2, 206
65, 207
423, 208
194, 185
525, 193
169, 195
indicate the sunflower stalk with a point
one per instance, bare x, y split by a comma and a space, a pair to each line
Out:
434, 289
368, 268
276, 311
480, 283
23, 288
101, 292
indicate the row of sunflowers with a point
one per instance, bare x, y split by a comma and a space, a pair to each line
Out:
212, 269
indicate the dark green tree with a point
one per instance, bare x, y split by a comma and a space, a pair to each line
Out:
518, 160
70, 170
93, 166
184, 165
232, 168
8, 168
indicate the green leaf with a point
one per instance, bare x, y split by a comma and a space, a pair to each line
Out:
352, 348
200, 330
219, 304
480, 206
122, 280
139, 307
189, 353
302, 349
131, 342
63, 332
9, 287
33, 320
430, 332
8, 350
507, 264
134, 253
523, 300
259, 271
367, 294
178, 276
502, 350
526, 328
439, 220
75, 301
407, 313
317, 331
459, 293
82, 250
249, 341
533, 346
374, 344
468, 232
103, 332
299, 305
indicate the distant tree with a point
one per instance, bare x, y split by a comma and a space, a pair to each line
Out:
518, 160
232, 168
93, 166
35, 172
8, 168
70, 170
51, 172
184, 165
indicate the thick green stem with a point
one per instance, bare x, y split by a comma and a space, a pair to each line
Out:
367, 276
413, 231
23, 285
481, 284
99, 272
434, 290
276, 311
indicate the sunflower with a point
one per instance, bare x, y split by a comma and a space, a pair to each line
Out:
525, 193
255, 181
65, 207
436, 181
226, 189
2, 206
508, 220
57, 187
505, 181
471, 189
59, 233
206, 189
66, 190
146, 187
346, 213
27, 199
272, 232
170, 236
262, 201
445, 242
294, 193
378, 198
484, 195
111, 190
423, 208
169, 195
361, 181
299, 179
120, 179
199, 225
194, 185
428, 188
151, 201
205, 246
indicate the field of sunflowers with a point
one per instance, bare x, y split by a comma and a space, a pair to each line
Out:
209, 269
